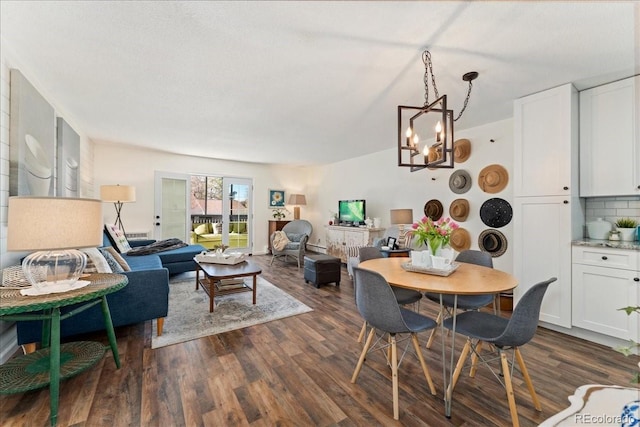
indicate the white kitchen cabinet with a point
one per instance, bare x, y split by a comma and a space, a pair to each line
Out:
344, 242
548, 213
545, 143
610, 139
542, 249
605, 280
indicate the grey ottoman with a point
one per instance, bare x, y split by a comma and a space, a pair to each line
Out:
321, 269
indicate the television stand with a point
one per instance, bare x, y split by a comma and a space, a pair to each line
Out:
344, 242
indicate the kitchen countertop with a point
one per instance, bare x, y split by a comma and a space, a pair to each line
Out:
613, 244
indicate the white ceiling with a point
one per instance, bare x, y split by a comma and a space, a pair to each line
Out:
303, 82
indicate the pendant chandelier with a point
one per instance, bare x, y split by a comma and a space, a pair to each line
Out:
425, 134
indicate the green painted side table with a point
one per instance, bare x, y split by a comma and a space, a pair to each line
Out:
54, 362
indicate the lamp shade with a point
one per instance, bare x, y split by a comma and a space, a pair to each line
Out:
297, 199
46, 223
401, 216
118, 193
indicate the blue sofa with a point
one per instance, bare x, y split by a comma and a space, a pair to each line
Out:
146, 297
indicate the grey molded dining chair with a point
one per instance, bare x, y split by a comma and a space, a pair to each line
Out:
403, 296
465, 302
378, 306
503, 334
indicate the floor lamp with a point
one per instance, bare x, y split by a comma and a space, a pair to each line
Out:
400, 217
118, 194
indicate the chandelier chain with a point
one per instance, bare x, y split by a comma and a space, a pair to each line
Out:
428, 72
466, 101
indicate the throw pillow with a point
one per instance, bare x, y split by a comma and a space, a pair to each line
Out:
114, 253
113, 264
280, 240
96, 263
202, 229
217, 228
118, 238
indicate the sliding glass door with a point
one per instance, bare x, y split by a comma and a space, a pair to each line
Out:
221, 212
237, 209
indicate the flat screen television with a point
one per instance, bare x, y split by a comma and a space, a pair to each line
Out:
352, 212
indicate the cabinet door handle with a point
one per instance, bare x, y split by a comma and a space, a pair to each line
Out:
604, 258
566, 202
565, 188
636, 279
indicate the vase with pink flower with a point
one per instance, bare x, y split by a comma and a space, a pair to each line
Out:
435, 234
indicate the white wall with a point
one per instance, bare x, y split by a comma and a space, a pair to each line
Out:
384, 185
120, 164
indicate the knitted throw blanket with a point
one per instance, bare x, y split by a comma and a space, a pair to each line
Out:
159, 246
280, 240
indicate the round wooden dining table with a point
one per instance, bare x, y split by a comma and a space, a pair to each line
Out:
467, 279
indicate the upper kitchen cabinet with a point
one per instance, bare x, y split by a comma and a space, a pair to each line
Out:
546, 149
610, 139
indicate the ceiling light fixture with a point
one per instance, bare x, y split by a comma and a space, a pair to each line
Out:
429, 126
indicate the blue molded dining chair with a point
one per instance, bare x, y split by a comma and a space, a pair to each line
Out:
378, 306
503, 334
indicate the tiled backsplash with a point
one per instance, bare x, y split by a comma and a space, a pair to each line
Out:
612, 208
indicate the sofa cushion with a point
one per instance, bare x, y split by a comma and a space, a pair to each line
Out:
210, 236
117, 238
144, 262
116, 256
186, 253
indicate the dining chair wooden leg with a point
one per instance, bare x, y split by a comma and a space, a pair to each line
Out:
459, 366
509, 387
394, 376
425, 369
363, 332
432, 335
363, 355
527, 379
474, 359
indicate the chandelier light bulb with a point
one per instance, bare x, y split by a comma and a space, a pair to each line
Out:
438, 127
416, 139
409, 132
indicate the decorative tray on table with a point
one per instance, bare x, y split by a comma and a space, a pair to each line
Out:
229, 258
429, 270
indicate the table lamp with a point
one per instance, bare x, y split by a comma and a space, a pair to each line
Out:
297, 200
401, 217
118, 194
54, 227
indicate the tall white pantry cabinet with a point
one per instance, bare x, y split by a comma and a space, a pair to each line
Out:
548, 213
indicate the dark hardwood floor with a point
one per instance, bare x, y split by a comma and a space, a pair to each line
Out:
297, 371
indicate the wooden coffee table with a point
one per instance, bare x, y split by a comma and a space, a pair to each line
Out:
215, 273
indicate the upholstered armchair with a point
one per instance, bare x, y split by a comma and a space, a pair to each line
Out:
297, 233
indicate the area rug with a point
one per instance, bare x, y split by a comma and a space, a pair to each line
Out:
189, 316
